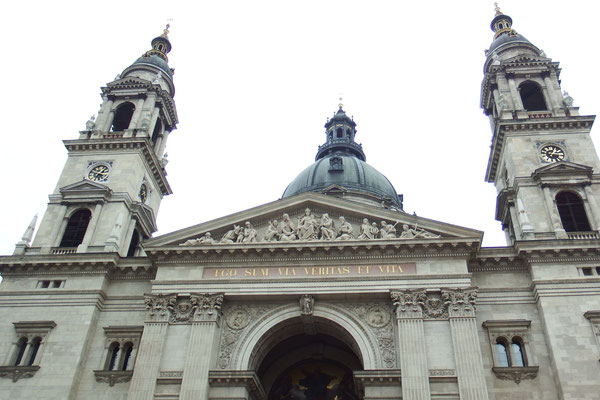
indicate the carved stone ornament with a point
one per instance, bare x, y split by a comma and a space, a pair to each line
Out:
209, 307
157, 306
516, 374
311, 227
434, 307
182, 309
378, 317
409, 303
384, 333
460, 302
307, 304
16, 373
237, 318
112, 377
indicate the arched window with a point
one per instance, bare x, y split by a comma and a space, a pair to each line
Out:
339, 133
76, 227
532, 97
572, 213
135, 240
123, 117
501, 352
113, 353
157, 130
34, 348
127, 350
21, 347
516, 353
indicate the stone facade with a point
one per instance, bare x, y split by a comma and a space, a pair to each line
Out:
270, 301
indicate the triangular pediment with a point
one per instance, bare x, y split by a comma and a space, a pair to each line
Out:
227, 230
129, 82
85, 190
563, 172
562, 167
526, 59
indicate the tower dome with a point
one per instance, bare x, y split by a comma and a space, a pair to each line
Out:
340, 169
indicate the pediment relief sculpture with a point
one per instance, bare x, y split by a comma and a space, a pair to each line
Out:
310, 227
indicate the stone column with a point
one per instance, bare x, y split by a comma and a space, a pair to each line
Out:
146, 368
552, 213
465, 340
593, 206
411, 341
515, 94
202, 345
91, 229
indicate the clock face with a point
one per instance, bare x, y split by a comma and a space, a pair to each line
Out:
98, 173
143, 193
552, 153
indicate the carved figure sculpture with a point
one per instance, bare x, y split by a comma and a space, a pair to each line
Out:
568, 100
327, 228
307, 303
307, 226
206, 239
249, 234
374, 230
231, 235
411, 233
89, 125
345, 231
387, 231
272, 233
288, 232
365, 230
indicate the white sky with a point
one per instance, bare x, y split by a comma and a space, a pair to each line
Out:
255, 82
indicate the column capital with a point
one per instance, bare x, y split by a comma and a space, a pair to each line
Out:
460, 301
158, 306
208, 306
408, 303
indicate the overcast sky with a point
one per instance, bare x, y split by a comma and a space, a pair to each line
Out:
255, 82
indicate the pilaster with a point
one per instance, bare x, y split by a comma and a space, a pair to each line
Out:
147, 363
465, 340
202, 344
411, 342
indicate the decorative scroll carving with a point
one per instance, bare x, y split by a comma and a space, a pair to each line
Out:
460, 302
237, 320
16, 373
434, 307
377, 318
157, 306
112, 377
307, 304
516, 374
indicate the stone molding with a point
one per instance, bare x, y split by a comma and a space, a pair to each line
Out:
377, 378
516, 374
112, 377
174, 309
246, 379
16, 373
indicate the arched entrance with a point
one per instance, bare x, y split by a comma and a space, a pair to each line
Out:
308, 357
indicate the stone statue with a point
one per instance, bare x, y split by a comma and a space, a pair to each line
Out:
165, 160
327, 228
231, 235
307, 226
117, 77
365, 230
156, 79
206, 239
89, 125
374, 230
387, 231
568, 100
412, 233
307, 303
272, 234
249, 234
345, 231
288, 232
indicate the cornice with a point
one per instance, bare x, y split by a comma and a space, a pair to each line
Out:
315, 251
125, 144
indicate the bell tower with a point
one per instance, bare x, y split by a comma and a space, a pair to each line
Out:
542, 159
110, 190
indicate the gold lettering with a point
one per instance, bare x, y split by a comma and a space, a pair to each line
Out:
248, 272
346, 270
293, 271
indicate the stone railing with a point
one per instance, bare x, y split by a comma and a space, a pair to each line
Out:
539, 114
583, 235
64, 250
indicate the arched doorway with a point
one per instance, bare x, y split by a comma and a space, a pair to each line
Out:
307, 358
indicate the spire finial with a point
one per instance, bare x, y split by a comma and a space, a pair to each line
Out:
497, 9
341, 104
166, 30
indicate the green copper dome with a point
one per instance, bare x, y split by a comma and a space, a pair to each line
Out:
341, 169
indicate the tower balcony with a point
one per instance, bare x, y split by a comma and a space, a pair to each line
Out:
342, 144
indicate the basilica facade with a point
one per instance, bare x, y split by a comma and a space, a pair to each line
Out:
332, 291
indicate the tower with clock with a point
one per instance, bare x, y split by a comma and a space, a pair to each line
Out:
109, 192
542, 157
